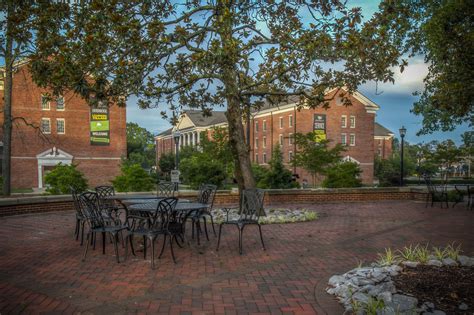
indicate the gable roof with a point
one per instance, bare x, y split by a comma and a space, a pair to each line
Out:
199, 120
381, 131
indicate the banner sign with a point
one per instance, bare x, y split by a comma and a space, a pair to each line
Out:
319, 127
100, 126
175, 176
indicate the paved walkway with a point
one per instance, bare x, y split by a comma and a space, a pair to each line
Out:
41, 271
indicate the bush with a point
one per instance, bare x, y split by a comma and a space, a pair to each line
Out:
133, 178
62, 178
343, 175
199, 169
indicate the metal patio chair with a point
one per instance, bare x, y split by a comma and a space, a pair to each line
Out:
250, 210
165, 220
80, 218
206, 195
437, 193
166, 189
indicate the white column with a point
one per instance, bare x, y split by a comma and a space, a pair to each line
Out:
40, 176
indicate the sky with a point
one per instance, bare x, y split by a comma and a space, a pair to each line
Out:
395, 100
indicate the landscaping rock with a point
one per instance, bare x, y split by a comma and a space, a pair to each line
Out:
411, 264
466, 261
336, 280
403, 303
449, 262
434, 262
463, 307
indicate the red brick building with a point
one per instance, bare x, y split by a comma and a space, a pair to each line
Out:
383, 139
62, 130
350, 125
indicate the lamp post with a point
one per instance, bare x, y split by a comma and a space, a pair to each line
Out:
176, 137
403, 132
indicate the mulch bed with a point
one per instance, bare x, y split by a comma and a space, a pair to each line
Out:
447, 286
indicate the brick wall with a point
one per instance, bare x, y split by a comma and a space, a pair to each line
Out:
28, 205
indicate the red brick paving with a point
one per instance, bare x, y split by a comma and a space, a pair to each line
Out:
41, 270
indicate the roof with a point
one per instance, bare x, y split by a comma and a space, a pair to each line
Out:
381, 131
199, 120
165, 133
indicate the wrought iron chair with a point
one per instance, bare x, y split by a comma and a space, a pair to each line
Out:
206, 195
437, 193
250, 210
80, 218
98, 223
166, 189
165, 220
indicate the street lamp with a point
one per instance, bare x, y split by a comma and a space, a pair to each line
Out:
176, 137
403, 132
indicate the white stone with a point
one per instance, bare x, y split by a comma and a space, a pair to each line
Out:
385, 296
387, 310
434, 262
403, 303
466, 261
449, 262
360, 297
463, 307
336, 280
411, 264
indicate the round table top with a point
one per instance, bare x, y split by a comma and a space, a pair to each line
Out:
180, 206
132, 196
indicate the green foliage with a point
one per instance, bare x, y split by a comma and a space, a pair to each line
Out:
62, 178
277, 176
140, 146
387, 171
219, 148
166, 163
133, 178
444, 35
344, 174
199, 169
315, 156
389, 258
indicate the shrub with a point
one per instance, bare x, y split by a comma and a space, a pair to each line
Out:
199, 169
345, 174
133, 178
277, 176
62, 178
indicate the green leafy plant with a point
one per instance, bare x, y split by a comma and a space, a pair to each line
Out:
277, 176
373, 305
341, 175
439, 253
453, 251
408, 253
133, 178
62, 178
200, 168
389, 258
360, 263
422, 254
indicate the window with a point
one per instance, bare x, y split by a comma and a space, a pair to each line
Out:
264, 125
256, 143
256, 158
352, 140
343, 139
45, 103
60, 103
45, 125
281, 140
264, 158
343, 121
290, 120
256, 126
353, 121
339, 101
264, 142
290, 156
60, 126
281, 122
290, 139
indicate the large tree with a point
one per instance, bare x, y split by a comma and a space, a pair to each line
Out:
140, 146
445, 37
19, 21
220, 53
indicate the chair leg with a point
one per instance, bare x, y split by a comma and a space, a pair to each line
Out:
198, 231
192, 228
116, 240
219, 237
152, 240
103, 242
87, 246
261, 236
177, 242
76, 229
82, 232
241, 231
131, 244
162, 247
172, 251
144, 247
205, 228
213, 228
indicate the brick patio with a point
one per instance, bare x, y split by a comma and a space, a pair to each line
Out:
41, 271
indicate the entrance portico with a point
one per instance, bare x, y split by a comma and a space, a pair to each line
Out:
51, 157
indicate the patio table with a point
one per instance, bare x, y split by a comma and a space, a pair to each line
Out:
187, 207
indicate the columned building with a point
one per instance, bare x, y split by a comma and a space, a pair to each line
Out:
353, 126
51, 130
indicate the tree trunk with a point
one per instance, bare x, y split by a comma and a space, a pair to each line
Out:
7, 109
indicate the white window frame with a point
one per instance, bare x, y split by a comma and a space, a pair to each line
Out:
352, 140
64, 126
264, 125
290, 139
49, 123
290, 121
256, 143
48, 103
281, 122
264, 158
264, 142
256, 126
343, 136
280, 140
343, 121
64, 104
352, 121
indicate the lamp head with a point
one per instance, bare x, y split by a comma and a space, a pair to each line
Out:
403, 131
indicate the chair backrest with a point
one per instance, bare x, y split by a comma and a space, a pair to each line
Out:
75, 198
89, 202
166, 189
435, 189
206, 194
251, 204
165, 213
105, 191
